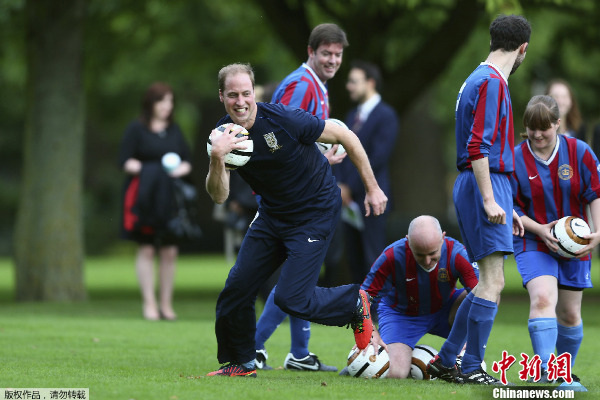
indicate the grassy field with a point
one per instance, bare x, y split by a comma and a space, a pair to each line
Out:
104, 344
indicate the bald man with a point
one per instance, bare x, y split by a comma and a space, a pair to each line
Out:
414, 284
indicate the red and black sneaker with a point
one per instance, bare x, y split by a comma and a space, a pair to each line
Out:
362, 324
436, 369
234, 370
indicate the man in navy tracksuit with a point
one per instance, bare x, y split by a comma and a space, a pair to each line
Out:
299, 209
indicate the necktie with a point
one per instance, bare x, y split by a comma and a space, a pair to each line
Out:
356, 125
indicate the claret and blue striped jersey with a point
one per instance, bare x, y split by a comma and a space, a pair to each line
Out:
405, 286
484, 120
548, 190
303, 89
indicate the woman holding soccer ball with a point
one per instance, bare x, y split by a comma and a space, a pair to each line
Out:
153, 151
555, 176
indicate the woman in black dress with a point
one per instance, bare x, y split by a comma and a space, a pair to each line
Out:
148, 195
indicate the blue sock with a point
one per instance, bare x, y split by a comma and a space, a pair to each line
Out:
300, 330
543, 332
458, 335
269, 320
569, 339
249, 365
480, 322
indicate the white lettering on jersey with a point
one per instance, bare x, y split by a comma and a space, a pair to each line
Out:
459, 94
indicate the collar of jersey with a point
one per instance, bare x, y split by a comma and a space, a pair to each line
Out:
498, 70
428, 270
549, 160
315, 77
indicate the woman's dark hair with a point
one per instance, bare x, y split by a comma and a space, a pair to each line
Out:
155, 93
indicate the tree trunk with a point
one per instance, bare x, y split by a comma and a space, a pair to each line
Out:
49, 249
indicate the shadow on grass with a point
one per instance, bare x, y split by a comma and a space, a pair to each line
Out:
204, 294
131, 294
134, 294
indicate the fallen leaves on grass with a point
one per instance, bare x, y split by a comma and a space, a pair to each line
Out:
190, 376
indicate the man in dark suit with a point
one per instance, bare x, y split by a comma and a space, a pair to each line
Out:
376, 125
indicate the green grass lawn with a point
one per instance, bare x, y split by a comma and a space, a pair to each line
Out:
104, 344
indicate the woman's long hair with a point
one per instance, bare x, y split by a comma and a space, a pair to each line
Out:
155, 93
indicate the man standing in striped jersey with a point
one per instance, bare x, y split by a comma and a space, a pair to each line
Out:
483, 195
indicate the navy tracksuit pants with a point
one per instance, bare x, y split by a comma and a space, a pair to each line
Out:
299, 247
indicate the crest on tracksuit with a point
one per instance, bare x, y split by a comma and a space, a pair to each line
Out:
272, 142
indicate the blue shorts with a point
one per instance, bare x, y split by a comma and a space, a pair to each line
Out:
396, 327
572, 272
481, 237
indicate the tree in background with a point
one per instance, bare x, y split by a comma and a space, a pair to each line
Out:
424, 48
49, 230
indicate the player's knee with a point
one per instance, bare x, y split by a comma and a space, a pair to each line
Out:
168, 254
498, 285
146, 251
290, 305
542, 302
490, 289
568, 317
398, 371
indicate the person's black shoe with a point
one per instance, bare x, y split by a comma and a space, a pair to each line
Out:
477, 377
543, 379
437, 370
261, 360
309, 363
234, 370
362, 324
575, 385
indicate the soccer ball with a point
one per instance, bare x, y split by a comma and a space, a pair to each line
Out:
570, 231
325, 147
237, 157
369, 365
170, 161
421, 356
337, 121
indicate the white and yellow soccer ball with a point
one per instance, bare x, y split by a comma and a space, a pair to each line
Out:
570, 232
237, 157
339, 122
325, 147
421, 356
368, 364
